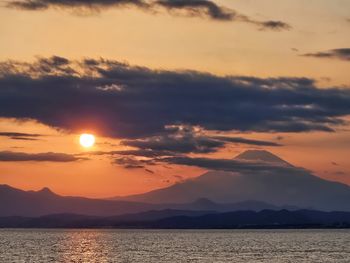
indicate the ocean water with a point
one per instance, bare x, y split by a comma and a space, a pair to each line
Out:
101, 246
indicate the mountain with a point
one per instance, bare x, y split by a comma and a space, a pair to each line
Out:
291, 186
175, 219
262, 156
204, 204
251, 219
86, 221
15, 202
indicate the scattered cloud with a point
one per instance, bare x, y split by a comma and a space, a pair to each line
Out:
191, 8
133, 163
20, 136
186, 140
240, 140
82, 4
200, 8
229, 164
138, 153
340, 53
9, 156
273, 25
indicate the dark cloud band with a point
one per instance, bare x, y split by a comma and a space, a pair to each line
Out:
119, 100
188, 140
88, 4
21, 136
8, 156
191, 8
231, 165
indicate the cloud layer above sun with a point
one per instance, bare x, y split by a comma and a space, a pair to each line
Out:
124, 101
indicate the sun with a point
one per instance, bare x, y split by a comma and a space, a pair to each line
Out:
87, 140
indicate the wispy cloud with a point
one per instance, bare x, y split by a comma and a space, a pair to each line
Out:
87, 4
230, 165
340, 53
190, 8
21, 136
9, 156
185, 139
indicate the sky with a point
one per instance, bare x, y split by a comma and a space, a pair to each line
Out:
162, 83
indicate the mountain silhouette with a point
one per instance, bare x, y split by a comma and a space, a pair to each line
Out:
177, 219
292, 186
261, 156
217, 191
204, 204
251, 219
15, 202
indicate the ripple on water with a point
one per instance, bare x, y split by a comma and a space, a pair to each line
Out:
35, 246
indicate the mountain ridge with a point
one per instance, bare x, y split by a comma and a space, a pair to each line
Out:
16, 202
175, 219
263, 156
293, 186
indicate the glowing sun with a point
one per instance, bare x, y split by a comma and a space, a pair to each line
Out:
87, 140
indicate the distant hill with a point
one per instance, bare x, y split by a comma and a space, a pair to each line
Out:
291, 186
172, 219
262, 219
205, 204
85, 221
15, 202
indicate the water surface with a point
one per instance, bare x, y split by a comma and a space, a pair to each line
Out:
101, 246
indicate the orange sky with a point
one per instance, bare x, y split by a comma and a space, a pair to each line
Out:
162, 41
98, 177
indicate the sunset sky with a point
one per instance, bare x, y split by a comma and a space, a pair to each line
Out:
167, 87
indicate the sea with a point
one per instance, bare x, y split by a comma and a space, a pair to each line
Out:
152, 246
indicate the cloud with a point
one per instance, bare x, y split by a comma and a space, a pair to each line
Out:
147, 102
8, 156
20, 136
177, 140
240, 140
229, 165
133, 163
191, 8
200, 8
340, 53
273, 25
185, 139
85, 4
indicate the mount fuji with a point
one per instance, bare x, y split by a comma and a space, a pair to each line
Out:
292, 186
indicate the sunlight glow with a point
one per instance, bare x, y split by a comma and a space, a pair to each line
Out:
87, 140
